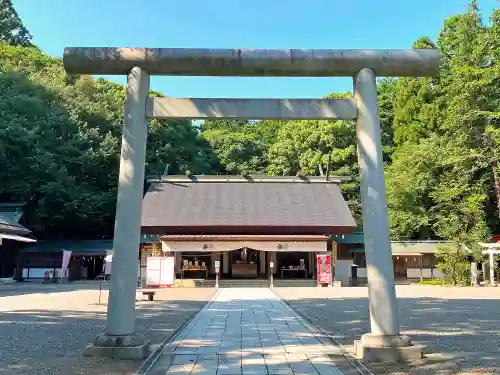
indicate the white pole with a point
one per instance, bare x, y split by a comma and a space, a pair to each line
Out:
271, 283
492, 267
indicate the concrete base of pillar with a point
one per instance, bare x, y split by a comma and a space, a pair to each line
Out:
377, 348
120, 347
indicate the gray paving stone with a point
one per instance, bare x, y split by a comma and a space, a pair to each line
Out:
279, 370
249, 332
254, 370
184, 359
180, 369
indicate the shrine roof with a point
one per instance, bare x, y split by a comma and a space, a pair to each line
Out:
245, 205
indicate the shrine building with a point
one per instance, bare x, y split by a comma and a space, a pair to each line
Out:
245, 223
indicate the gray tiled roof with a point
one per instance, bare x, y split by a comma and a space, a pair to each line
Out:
424, 247
9, 226
226, 203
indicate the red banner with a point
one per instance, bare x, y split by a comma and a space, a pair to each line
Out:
324, 268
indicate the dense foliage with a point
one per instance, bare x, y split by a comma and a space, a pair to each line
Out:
442, 179
12, 30
60, 140
453, 262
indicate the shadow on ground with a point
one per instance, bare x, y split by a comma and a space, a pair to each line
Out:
51, 342
461, 336
36, 287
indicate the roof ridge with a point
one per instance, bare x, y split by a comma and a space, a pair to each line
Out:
249, 179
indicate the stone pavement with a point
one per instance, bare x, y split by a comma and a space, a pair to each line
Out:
247, 331
45, 327
460, 327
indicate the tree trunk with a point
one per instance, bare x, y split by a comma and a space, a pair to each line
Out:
497, 185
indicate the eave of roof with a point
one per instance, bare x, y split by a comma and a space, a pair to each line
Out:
12, 205
83, 247
250, 179
269, 230
350, 238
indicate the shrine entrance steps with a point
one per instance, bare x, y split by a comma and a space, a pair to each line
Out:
246, 283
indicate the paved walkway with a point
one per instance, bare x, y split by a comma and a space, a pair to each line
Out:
247, 331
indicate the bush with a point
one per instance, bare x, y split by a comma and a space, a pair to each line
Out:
462, 274
434, 282
452, 260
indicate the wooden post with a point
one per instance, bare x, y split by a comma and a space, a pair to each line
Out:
492, 267
421, 266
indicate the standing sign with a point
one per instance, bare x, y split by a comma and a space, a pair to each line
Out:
168, 274
160, 271
153, 271
324, 269
473, 273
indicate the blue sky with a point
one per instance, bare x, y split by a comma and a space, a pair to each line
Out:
56, 24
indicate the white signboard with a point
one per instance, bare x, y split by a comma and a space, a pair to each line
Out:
271, 264
108, 260
153, 271
168, 272
160, 271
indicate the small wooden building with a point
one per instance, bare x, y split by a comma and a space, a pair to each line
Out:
412, 260
13, 237
86, 262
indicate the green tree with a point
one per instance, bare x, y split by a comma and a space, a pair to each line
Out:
313, 146
12, 30
434, 190
240, 144
60, 142
452, 261
386, 91
441, 184
237, 151
226, 125
416, 111
180, 146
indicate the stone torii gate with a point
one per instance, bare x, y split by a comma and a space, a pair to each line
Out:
491, 249
120, 339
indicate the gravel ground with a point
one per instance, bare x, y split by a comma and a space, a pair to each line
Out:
460, 327
44, 328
